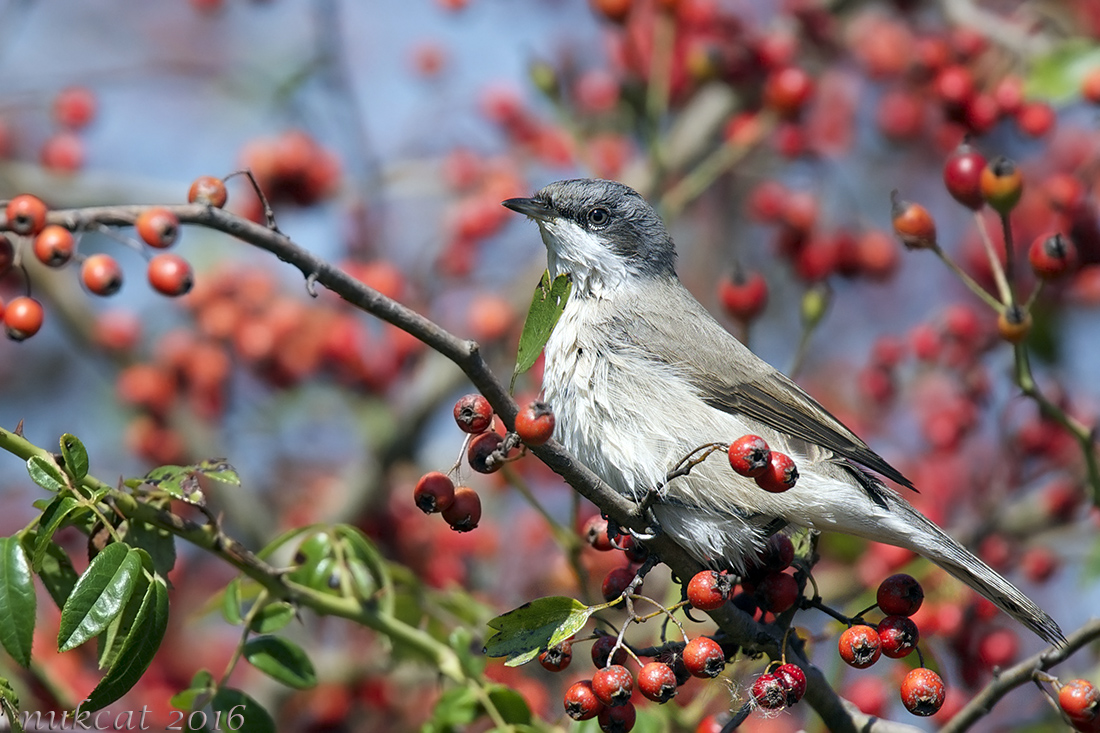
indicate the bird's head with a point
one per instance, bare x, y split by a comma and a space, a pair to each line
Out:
601, 233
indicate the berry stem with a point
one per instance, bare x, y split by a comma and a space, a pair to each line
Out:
1010, 258
970, 282
1003, 288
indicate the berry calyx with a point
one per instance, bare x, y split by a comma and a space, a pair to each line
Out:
899, 636
708, 590
743, 295
465, 511
1052, 255
1002, 184
535, 423
170, 275
657, 682
208, 191
750, 456
922, 692
860, 646
473, 414
900, 595
481, 450
913, 224
557, 657
1014, 324
780, 475
768, 692
158, 227
962, 175
618, 719
26, 214
23, 317
54, 245
613, 685
1080, 700
434, 492
581, 702
793, 680
101, 274
704, 657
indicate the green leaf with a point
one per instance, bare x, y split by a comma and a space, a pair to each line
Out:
142, 643
232, 703
159, 543
46, 473
74, 456
462, 641
231, 603
1057, 76
546, 308
282, 660
523, 632
56, 572
9, 705
52, 517
201, 684
111, 641
455, 709
17, 601
219, 470
99, 595
272, 617
510, 704
362, 557
179, 482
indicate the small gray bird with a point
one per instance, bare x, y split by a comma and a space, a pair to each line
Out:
639, 374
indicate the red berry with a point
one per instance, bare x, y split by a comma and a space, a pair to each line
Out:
74, 107
595, 533
922, 692
1080, 700
634, 550
778, 553
1035, 119
860, 646
434, 492
54, 245
481, 449
158, 227
101, 274
743, 295
787, 90
998, 648
657, 682
703, 657
955, 86
209, 191
708, 590
1002, 184
62, 152
962, 175
1052, 255
473, 414
613, 685
601, 651
777, 592
1090, 86
913, 224
618, 719
714, 723
616, 582
768, 692
793, 680
535, 423
26, 214
465, 511
900, 595
750, 456
170, 274
780, 475
557, 657
581, 702
899, 636
22, 318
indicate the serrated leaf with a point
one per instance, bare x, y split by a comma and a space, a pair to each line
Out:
546, 308
56, 572
281, 660
159, 543
254, 718
99, 595
75, 456
219, 470
111, 641
201, 684
1057, 76
272, 617
46, 473
523, 632
52, 517
17, 601
137, 652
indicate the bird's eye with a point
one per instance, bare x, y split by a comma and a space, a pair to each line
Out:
599, 217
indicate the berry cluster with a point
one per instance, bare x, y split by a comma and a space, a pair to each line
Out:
773, 471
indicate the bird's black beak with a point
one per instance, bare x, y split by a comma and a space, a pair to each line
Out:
530, 207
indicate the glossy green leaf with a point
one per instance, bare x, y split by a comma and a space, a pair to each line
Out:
113, 639
51, 519
57, 572
141, 645
99, 595
46, 473
192, 698
17, 601
253, 717
159, 543
523, 632
546, 308
281, 660
75, 456
219, 470
272, 617
9, 705
1057, 76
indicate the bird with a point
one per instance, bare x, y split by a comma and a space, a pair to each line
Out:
639, 375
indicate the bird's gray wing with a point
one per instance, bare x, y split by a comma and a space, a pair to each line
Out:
729, 377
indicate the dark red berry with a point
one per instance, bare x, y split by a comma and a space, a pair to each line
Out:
557, 657
913, 224
26, 214
465, 511
777, 592
601, 651
1052, 255
750, 456
618, 719
480, 453
778, 553
768, 692
860, 646
657, 682
922, 692
793, 680
1080, 700
581, 702
900, 595
473, 414
613, 685
899, 636
962, 175
708, 590
535, 423
634, 550
434, 492
780, 475
703, 657
616, 582
595, 533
